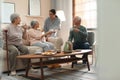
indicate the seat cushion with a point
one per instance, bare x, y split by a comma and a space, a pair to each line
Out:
57, 41
33, 49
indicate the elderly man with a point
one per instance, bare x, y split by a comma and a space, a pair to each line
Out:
79, 34
15, 44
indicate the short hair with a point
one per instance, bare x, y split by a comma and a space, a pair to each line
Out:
14, 16
33, 23
77, 18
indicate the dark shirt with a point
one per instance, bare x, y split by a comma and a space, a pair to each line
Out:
78, 37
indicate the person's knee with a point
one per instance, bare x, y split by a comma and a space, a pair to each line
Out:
86, 46
25, 50
14, 52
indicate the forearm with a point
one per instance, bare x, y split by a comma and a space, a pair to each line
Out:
70, 36
83, 33
25, 34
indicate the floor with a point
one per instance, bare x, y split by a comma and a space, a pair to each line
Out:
79, 72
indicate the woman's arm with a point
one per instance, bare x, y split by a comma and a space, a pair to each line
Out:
48, 33
24, 31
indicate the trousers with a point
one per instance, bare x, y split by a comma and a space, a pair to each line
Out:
15, 51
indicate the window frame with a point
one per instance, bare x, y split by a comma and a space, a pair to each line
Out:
74, 14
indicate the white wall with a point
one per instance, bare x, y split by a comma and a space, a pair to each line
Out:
108, 40
45, 6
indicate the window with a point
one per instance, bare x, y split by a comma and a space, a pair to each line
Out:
34, 8
87, 10
7, 10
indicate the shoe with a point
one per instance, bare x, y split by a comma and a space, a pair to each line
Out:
33, 70
50, 66
57, 65
53, 66
13, 73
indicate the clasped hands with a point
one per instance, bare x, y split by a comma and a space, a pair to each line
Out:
76, 29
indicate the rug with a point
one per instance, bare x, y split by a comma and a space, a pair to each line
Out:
14, 78
79, 72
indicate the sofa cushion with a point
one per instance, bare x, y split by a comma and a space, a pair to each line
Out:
33, 49
57, 41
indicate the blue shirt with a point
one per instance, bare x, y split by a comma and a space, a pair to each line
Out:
52, 24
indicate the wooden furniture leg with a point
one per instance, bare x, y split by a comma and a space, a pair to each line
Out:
87, 62
41, 68
28, 67
7, 56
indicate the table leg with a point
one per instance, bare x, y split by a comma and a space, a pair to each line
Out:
72, 65
41, 68
28, 67
88, 65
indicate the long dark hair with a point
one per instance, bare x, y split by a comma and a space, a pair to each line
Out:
53, 11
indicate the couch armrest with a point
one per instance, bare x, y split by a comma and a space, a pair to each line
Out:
57, 41
33, 49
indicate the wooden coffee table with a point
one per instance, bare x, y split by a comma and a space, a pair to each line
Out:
59, 60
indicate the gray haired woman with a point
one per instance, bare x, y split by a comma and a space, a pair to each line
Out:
15, 44
36, 37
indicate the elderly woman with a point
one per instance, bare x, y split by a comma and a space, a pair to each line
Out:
15, 44
36, 37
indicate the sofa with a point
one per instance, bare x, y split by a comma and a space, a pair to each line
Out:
58, 42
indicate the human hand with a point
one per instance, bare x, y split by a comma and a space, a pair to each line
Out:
24, 26
76, 29
41, 36
51, 31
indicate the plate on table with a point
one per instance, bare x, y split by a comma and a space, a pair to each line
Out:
38, 52
77, 50
48, 53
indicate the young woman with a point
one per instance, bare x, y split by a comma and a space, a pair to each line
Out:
52, 22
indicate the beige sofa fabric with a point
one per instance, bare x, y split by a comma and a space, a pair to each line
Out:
57, 41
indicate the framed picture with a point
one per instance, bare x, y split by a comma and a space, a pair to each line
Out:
34, 7
7, 10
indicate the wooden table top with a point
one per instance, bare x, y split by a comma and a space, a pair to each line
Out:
61, 54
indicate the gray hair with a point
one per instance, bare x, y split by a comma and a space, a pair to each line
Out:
77, 18
33, 23
14, 16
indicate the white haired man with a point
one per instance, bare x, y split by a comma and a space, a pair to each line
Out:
79, 34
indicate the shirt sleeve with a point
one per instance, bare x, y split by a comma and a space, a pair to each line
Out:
83, 31
45, 26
